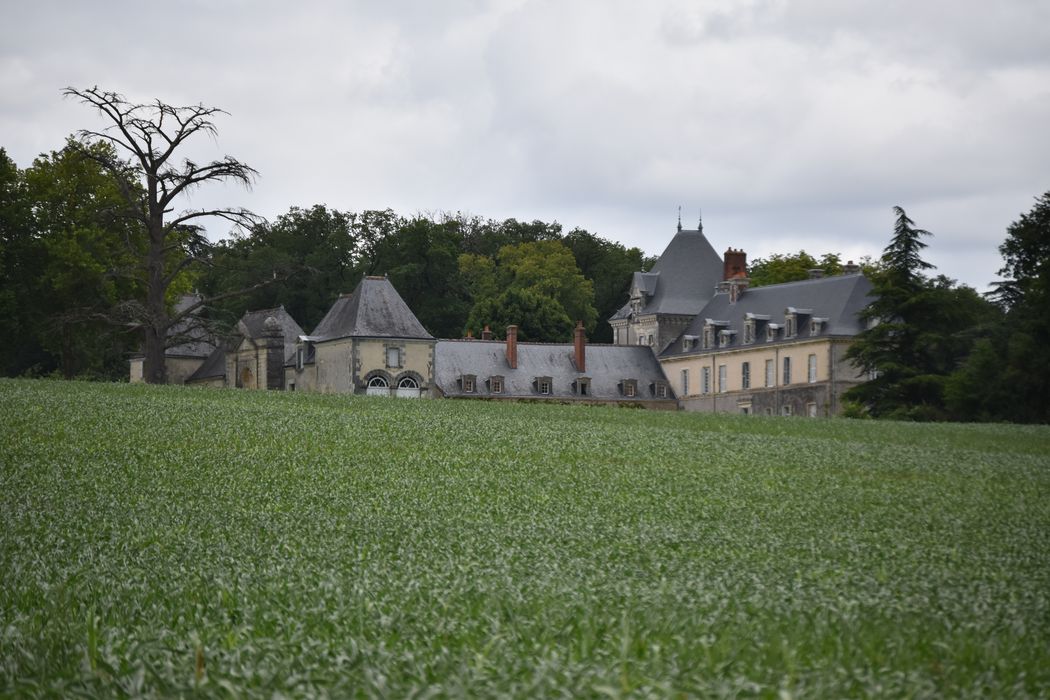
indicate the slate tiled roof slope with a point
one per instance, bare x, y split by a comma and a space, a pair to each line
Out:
252, 325
194, 339
214, 367
606, 366
838, 299
682, 280
374, 309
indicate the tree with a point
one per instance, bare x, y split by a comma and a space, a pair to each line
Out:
314, 252
85, 249
609, 266
779, 268
919, 331
538, 316
152, 135
1009, 378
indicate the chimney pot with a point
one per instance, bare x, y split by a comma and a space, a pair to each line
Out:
486, 334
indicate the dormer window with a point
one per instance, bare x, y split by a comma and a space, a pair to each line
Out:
496, 384
709, 335
629, 388
469, 383
816, 325
749, 331
725, 338
660, 390
790, 327
771, 331
543, 385
582, 386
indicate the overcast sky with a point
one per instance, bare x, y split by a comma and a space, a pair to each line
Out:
791, 124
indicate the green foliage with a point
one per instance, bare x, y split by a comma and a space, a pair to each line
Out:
173, 542
923, 329
68, 258
609, 266
538, 317
779, 268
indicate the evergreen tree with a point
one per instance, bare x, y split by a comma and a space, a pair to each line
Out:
919, 331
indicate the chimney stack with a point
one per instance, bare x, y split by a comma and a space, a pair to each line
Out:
850, 268
470, 334
815, 273
580, 346
512, 347
486, 334
734, 264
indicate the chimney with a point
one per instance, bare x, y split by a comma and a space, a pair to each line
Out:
735, 264
470, 334
512, 347
850, 268
486, 334
580, 346
815, 273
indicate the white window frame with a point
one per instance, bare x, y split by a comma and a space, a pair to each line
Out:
397, 355
811, 368
771, 373
723, 379
785, 378
745, 375
705, 380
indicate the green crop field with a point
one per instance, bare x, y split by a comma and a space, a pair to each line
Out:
175, 542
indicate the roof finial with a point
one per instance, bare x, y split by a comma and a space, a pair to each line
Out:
700, 223
679, 218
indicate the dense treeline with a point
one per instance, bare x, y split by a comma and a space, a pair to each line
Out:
936, 350
69, 259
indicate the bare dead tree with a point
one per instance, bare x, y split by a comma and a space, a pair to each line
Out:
150, 135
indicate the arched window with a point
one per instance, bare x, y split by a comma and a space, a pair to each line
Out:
408, 388
378, 386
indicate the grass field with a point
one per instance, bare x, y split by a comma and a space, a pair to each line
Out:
169, 541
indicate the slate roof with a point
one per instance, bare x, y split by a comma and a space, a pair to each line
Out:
214, 367
195, 339
838, 299
374, 309
606, 366
682, 280
252, 325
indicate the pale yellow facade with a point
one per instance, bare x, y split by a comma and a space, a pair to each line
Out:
803, 377
349, 365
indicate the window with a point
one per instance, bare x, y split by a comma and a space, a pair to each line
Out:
407, 388
745, 375
771, 378
630, 388
787, 371
790, 323
583, 386
410, 383
468, 383
785, 410
651, 342
378, 386
723, 384
749, 331
393, 357
545, 386
709, 334
705, 380
771, 332
299, 356
685, 382
291, 386
661, 390
496, 383
816, 325
811, 369
811, 410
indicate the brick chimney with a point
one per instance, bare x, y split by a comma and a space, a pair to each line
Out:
486, 334
512, 347
735, 264
850, 268
580, 346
